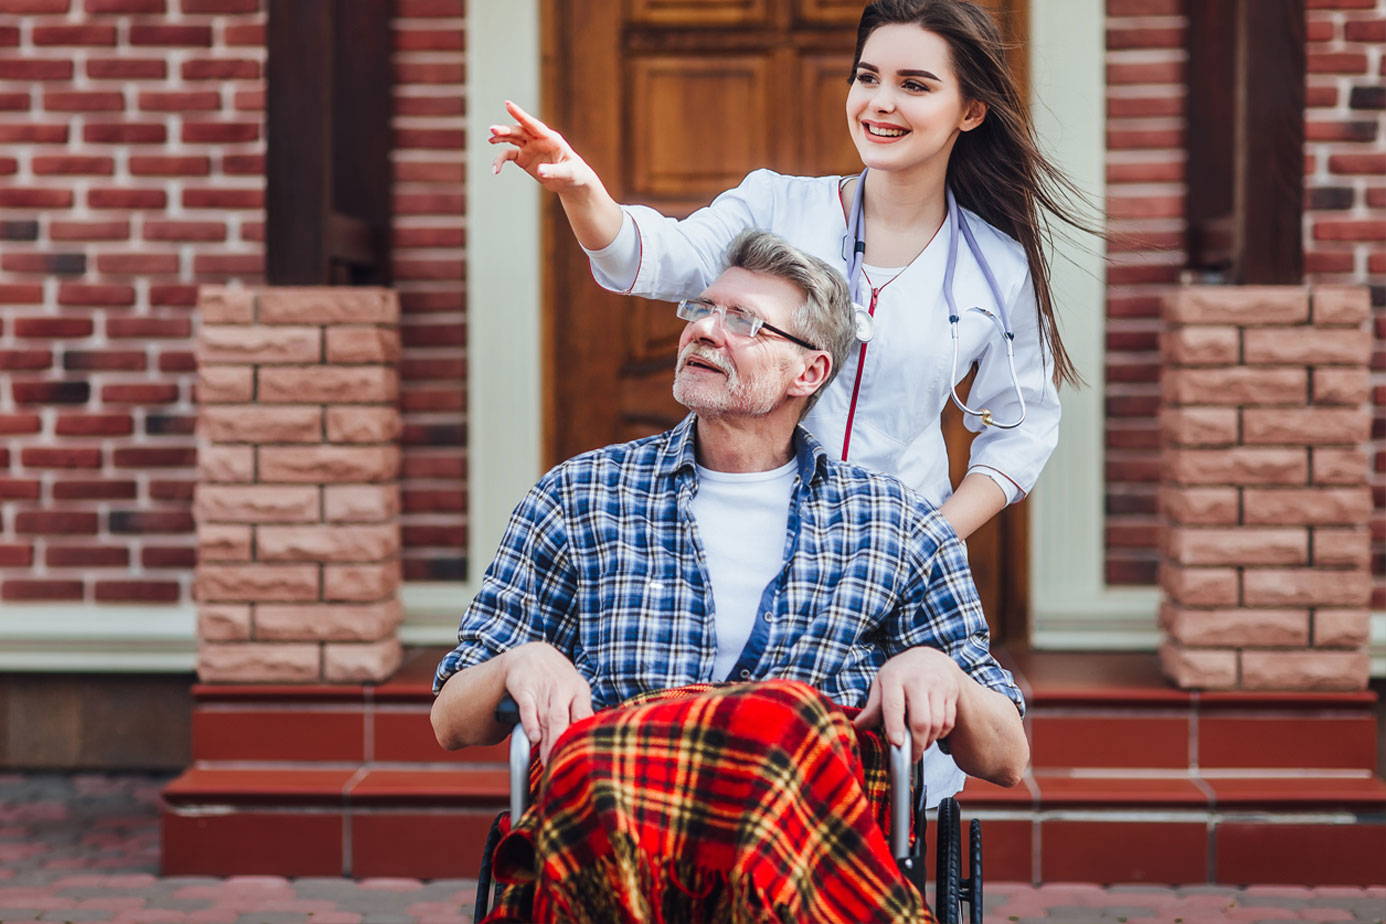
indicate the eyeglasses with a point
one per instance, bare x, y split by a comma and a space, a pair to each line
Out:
734, 320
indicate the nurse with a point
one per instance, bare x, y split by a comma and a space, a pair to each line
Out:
940, 237
937, 118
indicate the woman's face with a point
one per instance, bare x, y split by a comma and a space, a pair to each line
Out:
905, 107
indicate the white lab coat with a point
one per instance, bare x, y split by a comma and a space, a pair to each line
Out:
904, 385
905, 382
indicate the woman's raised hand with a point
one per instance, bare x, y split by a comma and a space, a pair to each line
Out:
540, 151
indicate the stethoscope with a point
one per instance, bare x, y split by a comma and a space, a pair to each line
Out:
853, 252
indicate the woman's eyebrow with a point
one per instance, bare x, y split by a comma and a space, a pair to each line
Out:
930, 75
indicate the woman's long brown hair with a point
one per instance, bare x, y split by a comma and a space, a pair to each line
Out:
996, 170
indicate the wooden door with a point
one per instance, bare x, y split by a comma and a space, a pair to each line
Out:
673, 101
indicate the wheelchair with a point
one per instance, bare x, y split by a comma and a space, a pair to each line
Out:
951, 890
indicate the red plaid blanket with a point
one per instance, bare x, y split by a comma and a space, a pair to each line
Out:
743, 803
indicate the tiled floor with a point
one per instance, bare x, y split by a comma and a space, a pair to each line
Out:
85, 848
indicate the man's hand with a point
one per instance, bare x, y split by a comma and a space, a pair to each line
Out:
916, 694
549, 690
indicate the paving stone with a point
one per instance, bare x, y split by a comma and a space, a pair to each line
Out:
382, 918
76, 915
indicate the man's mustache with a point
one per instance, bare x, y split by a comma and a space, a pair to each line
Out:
707, 355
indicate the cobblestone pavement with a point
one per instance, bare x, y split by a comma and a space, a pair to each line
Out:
85, 848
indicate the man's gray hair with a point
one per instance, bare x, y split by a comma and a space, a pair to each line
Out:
825, 318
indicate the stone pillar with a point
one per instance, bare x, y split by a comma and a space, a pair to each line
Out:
298, 495
1266, 571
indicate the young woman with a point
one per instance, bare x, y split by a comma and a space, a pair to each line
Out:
937, 118
940, 238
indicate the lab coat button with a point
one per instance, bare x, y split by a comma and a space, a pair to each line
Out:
745, 674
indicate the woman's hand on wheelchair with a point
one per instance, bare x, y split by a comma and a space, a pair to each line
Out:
914, 695
549, 692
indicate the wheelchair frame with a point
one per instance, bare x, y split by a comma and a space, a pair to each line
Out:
951, 890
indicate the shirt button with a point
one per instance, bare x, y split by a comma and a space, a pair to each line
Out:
745, 674
765, 616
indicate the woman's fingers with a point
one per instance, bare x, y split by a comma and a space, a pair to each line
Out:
501, 158
528, 122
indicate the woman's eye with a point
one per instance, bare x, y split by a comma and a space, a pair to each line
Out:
915, 86
866, 77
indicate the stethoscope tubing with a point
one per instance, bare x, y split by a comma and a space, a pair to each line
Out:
854, 252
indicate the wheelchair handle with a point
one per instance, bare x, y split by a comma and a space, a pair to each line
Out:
900, 768
508, 714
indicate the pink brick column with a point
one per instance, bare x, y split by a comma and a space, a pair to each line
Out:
297, 502
1266, 573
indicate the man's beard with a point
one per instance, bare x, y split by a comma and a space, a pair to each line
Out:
733, 395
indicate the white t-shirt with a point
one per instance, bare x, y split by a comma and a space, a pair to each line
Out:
742, 518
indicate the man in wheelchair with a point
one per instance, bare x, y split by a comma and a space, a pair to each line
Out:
756, 610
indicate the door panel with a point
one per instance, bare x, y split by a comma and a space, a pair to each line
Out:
673, 101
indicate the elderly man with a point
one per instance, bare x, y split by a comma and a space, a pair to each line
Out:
830, 600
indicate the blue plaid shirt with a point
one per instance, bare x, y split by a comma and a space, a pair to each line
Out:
602, 560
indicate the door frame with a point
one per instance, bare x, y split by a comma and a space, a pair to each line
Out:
1070, 603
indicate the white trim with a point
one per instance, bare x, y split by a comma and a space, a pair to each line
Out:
1376, 644
1071, 605
99, 638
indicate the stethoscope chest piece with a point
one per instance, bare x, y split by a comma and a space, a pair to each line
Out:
863, 324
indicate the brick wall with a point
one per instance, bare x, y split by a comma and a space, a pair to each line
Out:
131, 171
1345, 206
1345, 220
1145, 207
1266, 572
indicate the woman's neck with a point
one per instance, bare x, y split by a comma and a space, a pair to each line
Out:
902, 216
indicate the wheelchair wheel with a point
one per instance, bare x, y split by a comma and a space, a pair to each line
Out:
948, 871
973, 886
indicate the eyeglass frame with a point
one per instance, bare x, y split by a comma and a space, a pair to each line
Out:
757, 323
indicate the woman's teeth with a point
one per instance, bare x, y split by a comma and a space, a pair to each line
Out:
884, 132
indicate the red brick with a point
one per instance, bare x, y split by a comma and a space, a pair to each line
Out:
1305, 426
21, 294
15, 69
1200, 586
11, 424
447, 105
50, 392
243, 164
71, 164
160, 556
36, 198
1237, 466
415, 171
148, 328
184, 296
1335, 547
19, 489
1305, 670
434, 9
1341, 628
73, 556
405, 238
239, 265
137, 264
94, 490
14, 102
151, 34
150, 393
46, 591
184, 231
127, 68
1251, 305
46, 457
257, 583
1201, 426
1340, 386
1255, 545
1368, 164
201, 101
248, 100
219, 132
53, 327
160, 489
327, 384
1338, 465
26, 359
1365, 30
244, 34
223, 198
127, 522
162, 165
83, 101
254, 424
16, 556
221, 69
125, 6
1307, 506
155, 457
94, 425
137, 591
127, 199
56, 522
330, 464
1235, 386
89, 230
88, 33
105, 360
1320, 261
1237, 628
1199, 345
177, 361
1337, 62
124, 133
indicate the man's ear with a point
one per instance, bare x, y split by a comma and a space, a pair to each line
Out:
975, 114
812, 377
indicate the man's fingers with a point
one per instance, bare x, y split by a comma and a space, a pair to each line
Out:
871, 712
555, 724
893, 712
529, 716
581, 707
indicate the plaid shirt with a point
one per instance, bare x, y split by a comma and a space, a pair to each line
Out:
602, 560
